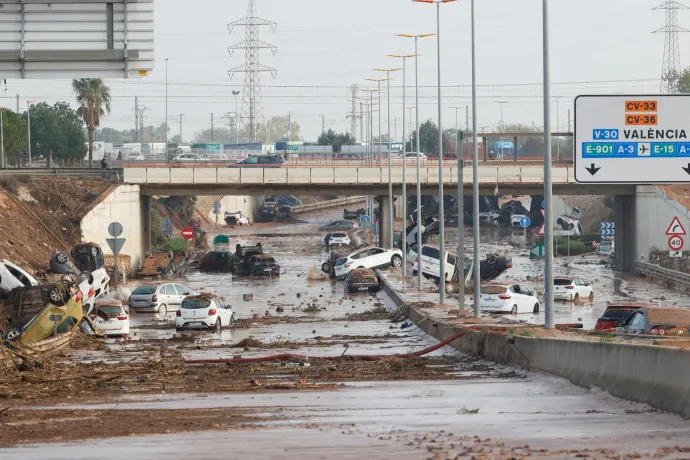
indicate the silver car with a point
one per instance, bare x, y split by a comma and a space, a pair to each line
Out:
159, 299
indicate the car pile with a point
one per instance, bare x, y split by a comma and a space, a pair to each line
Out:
32, 311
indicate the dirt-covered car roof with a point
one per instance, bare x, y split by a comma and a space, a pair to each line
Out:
202, 296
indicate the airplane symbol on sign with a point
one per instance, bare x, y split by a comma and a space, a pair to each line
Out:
644, 149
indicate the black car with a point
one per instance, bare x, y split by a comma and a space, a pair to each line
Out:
292, 200
353, 215
252, 261
216, 261
261, 161
61, 264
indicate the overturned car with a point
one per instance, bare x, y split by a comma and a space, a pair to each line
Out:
253, 261
163, 264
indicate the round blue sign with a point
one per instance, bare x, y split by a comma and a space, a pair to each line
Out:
363, 219
524, 222
543, 205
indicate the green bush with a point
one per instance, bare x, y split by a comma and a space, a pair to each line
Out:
576, 247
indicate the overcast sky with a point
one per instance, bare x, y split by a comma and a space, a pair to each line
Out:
324, 46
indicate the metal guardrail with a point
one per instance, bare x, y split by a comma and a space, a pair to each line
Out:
654, 271
328, 204
63, 172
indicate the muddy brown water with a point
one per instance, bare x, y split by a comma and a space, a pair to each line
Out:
524, 414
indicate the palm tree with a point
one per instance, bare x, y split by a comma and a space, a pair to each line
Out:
93, 97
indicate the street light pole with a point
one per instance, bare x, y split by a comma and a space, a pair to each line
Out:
548, 217
28, 128
237, 119
166, 108
2, 141
475, 176
420, 283
460, 153
403, 244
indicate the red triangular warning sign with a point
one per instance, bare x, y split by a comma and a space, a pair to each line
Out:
676, 228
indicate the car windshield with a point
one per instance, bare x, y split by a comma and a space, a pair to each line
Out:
195, 304
617, 313
340, 262
338, 235
144, 290
111, 309
494, 289
562, 282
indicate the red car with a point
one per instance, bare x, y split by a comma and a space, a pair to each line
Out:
614, 314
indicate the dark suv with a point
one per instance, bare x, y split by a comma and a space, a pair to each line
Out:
261, 161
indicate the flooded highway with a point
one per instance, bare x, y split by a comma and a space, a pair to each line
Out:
141, 399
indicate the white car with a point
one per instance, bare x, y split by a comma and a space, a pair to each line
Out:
566, 288
236, 218
339, 239
203, 312
11, 277
410, 157
367, 258
190, 158
110, 317
88, 257
508, 298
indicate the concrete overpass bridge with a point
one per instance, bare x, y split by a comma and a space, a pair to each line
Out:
512, 178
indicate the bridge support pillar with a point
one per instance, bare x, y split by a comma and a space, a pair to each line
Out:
625, 235
385, 237
145, 225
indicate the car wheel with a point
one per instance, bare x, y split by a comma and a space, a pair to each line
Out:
514, 310
57, 296
62, 257
162, 310
219, 326
396, 261
536, 308
94, 252
591, 296
88, 276
11, 334
577, 297
326, 267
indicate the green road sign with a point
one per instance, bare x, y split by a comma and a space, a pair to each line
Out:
536, 252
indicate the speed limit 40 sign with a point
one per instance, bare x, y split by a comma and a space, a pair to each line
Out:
676, 243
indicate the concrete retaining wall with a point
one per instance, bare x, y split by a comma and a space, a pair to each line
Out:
655, 211
122, 205
651, 374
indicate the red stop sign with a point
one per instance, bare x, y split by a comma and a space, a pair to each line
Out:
188, 233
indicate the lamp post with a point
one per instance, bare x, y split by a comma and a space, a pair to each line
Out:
28, 129
475, 176
390, 176
460, 153
441, 214
166, 108
548, 217
2, 141
420, 284
403, 235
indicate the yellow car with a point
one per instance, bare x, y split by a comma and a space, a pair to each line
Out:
43, 325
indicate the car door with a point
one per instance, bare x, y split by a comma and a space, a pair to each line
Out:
635, 324
527, 299
169, 295
181, 293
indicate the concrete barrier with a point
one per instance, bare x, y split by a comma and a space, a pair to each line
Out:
652, 374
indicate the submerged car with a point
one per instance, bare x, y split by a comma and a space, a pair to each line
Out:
367, 258
216, 261
664, 321
236, 218
567, 288
205, 311
508, 298
158, 298
615, 315
253, 261
342, 225
110, 317
362, 280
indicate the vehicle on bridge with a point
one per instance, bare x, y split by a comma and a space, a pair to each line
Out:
409, 157
508, 298
347, 156
262, 161
190, 158
367, 258
671, 321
